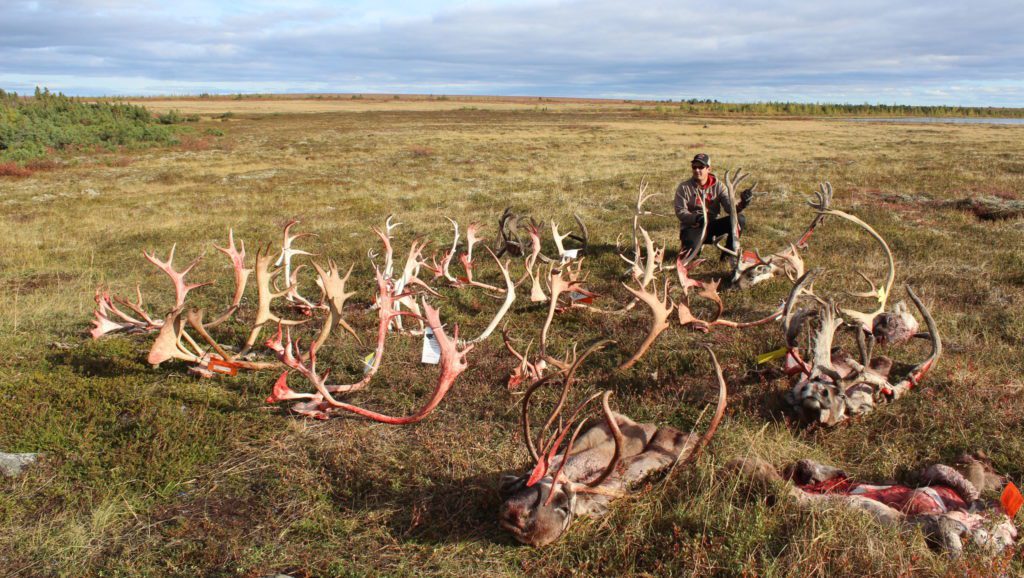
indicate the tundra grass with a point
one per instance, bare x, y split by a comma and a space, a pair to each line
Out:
153, 472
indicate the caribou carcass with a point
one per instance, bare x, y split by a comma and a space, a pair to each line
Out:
606, 462
947, 507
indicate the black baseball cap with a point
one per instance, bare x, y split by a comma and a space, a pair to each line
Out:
701, 158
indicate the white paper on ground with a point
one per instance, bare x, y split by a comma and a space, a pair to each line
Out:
570, 254
431, 348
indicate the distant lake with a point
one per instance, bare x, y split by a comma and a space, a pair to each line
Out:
939, 119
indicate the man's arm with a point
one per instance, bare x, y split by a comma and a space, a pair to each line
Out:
686, 218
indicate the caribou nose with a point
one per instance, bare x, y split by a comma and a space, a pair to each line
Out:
513, 516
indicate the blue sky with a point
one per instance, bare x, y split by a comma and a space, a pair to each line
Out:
912, 52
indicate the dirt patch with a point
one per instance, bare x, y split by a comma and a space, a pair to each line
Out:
989, 208
35, 282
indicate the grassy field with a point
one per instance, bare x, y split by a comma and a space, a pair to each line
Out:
153, 472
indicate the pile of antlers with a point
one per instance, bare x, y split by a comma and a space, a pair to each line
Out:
834, 386
183, 334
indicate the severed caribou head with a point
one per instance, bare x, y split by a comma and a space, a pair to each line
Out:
579, 475
753, 269
833, 385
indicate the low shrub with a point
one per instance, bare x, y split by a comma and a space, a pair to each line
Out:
30, 128
12, 169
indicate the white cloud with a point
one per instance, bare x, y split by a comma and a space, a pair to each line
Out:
874, 50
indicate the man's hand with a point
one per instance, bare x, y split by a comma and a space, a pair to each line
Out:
699, 221
746, 196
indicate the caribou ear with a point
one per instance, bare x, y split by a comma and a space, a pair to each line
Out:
511, 483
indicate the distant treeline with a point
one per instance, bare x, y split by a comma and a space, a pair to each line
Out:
31, 127
696, 106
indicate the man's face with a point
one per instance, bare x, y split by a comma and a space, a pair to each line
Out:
700, 172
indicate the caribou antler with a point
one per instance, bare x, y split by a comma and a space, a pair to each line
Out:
754, 269
264, 277
181, 289
104, 325
880, 293
660, 308
237, 257
821, 202
526, 370
508, 224
467, 261
452, 364
641, 198
731, 183
510, 297
334, 296
583, 238
291, 294
542, 441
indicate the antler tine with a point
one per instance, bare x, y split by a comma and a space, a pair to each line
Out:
195, 319
558, 238
584, 236
873, 292
725, 249
719, 411
389, 252
389, 225
828, 322
649, 261
455, 241
136, 308
922, 368
788, 330
616, 435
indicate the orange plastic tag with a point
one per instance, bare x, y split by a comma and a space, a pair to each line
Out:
581, 298
218, 365
1011, 499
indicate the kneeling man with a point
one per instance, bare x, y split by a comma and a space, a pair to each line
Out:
704, 189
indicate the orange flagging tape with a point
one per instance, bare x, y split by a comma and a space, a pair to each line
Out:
1011, 499
221, 366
